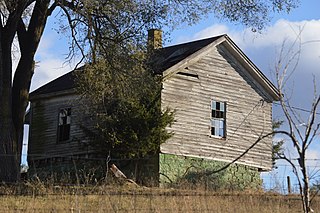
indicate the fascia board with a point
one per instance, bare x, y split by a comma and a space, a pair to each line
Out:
253, 70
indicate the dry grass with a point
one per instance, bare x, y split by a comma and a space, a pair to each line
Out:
126, 199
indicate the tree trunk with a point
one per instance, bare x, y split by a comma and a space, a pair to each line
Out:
28, 42
9, 166
306, 188
14, 96
20, 98
29, 38
305, 193
9, 146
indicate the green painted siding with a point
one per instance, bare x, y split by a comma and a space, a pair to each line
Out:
187, 171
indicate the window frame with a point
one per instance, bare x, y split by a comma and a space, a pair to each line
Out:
218, 114
62, 136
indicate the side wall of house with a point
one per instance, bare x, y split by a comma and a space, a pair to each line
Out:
218, 76
43, 133
69, 160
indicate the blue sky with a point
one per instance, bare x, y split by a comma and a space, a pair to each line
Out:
54, 48
263, 49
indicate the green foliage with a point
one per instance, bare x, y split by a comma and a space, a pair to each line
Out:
124, 107
276, 124
277, 149
252, 13
95, 24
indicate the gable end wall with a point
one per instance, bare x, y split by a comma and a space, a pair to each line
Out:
43, 129
221, 78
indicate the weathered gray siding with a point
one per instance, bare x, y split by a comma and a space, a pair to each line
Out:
43, 141
220, 78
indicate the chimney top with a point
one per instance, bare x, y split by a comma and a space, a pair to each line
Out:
154, 39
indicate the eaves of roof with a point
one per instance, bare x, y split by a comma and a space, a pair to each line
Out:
254, 71
62, 85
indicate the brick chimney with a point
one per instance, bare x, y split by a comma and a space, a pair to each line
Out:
154, 39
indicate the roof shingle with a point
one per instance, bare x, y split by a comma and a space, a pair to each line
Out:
164, 58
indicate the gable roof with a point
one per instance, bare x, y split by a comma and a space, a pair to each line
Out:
169, 56
65, 83
165, 58
170, 60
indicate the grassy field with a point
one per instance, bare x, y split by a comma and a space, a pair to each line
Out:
114, 199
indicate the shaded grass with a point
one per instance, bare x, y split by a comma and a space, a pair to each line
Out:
129, 199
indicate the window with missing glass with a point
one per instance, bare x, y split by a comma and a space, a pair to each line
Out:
64, 123
218, 119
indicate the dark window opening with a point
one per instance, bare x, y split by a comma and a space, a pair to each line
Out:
64, 124
188, 74
218, 119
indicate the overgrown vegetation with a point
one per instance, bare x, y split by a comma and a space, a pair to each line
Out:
40, 197
120, 102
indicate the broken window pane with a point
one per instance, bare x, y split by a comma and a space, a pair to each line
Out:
212, 131
64, 124
218, 117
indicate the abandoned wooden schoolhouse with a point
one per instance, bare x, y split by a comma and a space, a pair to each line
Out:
222, 103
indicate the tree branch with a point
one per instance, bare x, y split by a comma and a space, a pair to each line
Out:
240, 156
310, 124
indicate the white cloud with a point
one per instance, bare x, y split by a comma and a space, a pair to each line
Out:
305, 33
48, 70
214, 30
272, 36
263, 49
50, 60
211, 31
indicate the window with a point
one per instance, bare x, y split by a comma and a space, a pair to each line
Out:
218, 119
64, 124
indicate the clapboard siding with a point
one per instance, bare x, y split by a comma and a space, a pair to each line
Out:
44, 125
216, 71
221, 78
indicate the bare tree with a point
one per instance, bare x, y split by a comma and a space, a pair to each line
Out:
300, 131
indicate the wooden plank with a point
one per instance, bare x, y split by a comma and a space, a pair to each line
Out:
44, 124
246, 118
